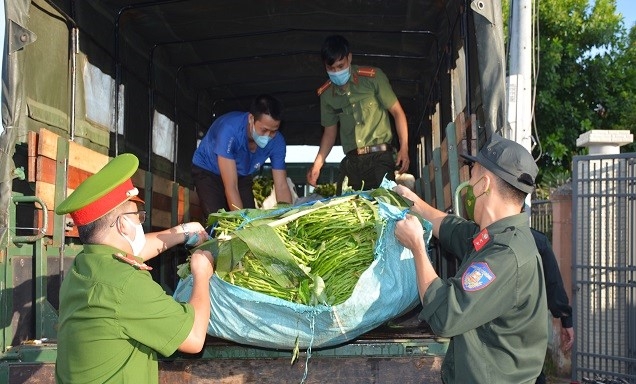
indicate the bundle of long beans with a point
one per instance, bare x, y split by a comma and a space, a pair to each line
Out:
334, 244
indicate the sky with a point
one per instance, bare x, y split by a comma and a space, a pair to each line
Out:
307, 154
628, 9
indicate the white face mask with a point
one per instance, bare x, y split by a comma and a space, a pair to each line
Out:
140, 238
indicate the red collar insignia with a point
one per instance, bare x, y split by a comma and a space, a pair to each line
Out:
482, 239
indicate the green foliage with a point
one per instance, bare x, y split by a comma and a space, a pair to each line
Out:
326, 190
262, 188
309, 255
587, 76
551, 180
627, 119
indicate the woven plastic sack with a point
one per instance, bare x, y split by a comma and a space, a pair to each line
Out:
387, 289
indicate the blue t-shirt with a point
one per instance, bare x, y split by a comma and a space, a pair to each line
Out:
227, 137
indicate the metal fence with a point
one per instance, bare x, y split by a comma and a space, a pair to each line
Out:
541, 217
604, 272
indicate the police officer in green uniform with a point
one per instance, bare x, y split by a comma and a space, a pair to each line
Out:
113, 318
360, 101
494, 309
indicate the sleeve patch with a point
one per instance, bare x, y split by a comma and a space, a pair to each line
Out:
477, 276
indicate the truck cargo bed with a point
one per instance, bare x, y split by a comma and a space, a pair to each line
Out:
403, 350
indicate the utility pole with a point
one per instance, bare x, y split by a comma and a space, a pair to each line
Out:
519, 80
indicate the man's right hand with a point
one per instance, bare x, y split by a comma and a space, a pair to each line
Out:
312, 175
202, 264
567, 339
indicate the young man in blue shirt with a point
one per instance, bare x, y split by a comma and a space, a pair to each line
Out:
234, 148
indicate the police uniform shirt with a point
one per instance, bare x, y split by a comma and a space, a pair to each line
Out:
361, 107
227, 137
494, 308
113, 318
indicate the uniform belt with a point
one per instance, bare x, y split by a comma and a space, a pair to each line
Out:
369, 149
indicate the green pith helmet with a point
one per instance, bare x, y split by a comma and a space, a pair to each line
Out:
100, 193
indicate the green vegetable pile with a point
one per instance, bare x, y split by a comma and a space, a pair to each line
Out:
326, 190
262, 188
308, 255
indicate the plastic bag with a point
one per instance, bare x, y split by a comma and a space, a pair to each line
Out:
387, 289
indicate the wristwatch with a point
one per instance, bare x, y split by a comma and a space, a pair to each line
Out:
186, 232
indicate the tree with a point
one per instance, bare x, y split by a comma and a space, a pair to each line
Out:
586, 77
627, 62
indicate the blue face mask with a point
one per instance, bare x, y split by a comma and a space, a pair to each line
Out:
261, 141
340, 77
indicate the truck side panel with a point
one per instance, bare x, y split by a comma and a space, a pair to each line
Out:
68, 126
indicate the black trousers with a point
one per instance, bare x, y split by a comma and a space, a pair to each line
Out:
211, 192
541, 379
366, 171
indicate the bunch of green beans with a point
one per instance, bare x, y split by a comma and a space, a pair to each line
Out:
251, 274
226, 225
336, 243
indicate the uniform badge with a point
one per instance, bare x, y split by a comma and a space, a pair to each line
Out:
477, 276
323, 87
482, 239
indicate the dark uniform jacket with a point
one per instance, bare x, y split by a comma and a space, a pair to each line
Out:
558, 302
494, 309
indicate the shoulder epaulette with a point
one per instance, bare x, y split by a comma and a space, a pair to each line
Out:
366, 71
323, 87
130, 260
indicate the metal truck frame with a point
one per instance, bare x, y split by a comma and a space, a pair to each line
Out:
86, 80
